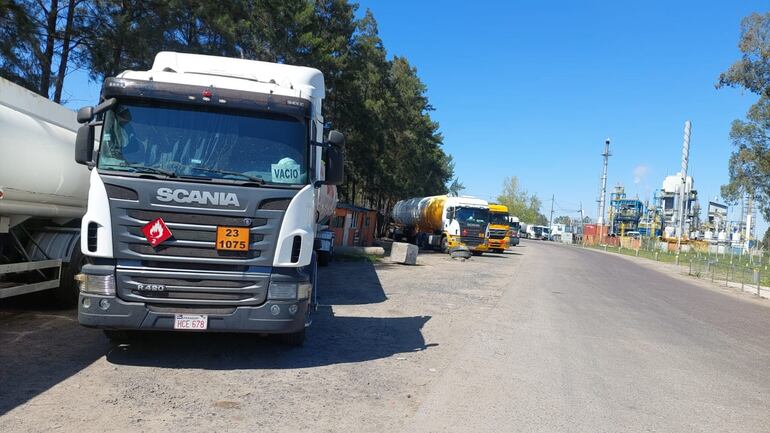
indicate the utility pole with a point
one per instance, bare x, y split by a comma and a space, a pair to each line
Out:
603, 193
550, 222
582, 218
683, 193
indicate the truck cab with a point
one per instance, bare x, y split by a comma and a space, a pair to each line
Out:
514, 233
498, 231
466, 221
203, 206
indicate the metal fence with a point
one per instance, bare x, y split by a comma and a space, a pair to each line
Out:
750, 278
748, 272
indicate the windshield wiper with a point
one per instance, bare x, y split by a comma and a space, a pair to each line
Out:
144, 169
168, 173
254, 179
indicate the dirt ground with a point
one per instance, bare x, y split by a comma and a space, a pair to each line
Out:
382, 337
545, 338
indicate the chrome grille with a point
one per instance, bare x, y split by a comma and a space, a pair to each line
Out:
497, 233
193, 287
194, 236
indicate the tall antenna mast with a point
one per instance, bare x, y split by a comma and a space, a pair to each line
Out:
682, 192
603, 192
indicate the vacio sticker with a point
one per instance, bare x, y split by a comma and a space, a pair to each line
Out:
286, 171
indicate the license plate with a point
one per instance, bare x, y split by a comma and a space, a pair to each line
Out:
191, 322
233, 238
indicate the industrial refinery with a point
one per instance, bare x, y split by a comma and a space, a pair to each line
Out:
674, 213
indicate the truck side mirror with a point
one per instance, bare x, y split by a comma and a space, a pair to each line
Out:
335, 158
336, 138
84, 145
85, 114
335, 165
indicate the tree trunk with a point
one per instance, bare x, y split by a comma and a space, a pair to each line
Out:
47, 60
65, 51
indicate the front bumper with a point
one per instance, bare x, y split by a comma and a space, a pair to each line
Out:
498, 244
455, 241
270, 317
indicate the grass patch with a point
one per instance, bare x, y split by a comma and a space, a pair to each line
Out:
716, 267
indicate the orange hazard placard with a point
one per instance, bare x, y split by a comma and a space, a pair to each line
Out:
233, 238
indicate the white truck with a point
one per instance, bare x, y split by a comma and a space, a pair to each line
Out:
206, 192
443, 222
43, 194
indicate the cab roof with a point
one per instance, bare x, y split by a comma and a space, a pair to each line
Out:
235, 74
498, 208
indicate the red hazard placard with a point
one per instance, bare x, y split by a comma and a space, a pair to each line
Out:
156, 232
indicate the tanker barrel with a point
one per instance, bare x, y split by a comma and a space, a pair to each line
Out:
38, 173
425, 212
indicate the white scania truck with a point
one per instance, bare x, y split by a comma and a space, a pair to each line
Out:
206, 190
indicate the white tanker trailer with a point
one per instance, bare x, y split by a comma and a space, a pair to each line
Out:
43, 194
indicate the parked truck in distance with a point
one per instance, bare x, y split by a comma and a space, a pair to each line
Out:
498, 238
206, 193
43, 194
442, 222
515, 230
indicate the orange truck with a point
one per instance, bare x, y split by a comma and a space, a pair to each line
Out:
498, 229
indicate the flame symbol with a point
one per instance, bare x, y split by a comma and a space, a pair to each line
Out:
156, 230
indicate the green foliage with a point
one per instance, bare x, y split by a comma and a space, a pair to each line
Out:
394, 148
749, 164
37, 42
521, 204
562, 219
456, 187
766, 239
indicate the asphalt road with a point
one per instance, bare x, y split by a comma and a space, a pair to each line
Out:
544, 338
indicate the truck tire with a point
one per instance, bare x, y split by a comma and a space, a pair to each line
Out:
444, 244
66, 295
324, 257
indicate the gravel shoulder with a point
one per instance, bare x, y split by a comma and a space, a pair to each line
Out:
382, 337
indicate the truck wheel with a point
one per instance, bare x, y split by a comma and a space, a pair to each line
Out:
324, 257
294, 339
444, 245
66, 295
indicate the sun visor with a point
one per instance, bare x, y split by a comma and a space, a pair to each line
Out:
205, 96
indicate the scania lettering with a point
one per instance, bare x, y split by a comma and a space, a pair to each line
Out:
207, 194
200, 197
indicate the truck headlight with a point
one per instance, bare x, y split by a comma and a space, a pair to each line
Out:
96, 284
282, 290
303, 292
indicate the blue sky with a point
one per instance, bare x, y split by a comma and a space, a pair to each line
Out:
532, 89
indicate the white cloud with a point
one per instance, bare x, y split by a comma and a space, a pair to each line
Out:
640, 172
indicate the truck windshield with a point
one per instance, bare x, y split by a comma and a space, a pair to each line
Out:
498, 219
179, 140
472, 215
